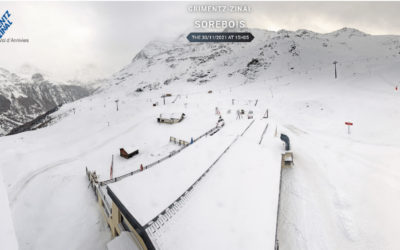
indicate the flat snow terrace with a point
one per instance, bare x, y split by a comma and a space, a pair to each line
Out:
235, 206
149, 192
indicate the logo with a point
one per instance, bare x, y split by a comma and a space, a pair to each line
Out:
5, 23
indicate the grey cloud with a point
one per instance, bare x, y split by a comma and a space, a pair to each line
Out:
66, 37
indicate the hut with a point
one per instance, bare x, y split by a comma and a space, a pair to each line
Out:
171, 119
287, 159
128, 152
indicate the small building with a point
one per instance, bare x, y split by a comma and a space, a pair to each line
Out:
287, 159
250, 114
171, 119
128, 152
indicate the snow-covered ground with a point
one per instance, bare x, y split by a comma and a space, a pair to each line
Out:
342, 193
8, 238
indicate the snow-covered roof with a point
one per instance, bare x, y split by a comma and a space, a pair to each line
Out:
171, 115
148, 193
130, 149
288, 158
233, 207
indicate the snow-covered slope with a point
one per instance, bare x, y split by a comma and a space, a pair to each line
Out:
8, 238
272, 53
342, 192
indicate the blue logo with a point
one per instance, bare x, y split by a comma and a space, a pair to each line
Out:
5, 23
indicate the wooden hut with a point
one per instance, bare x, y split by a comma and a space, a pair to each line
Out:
128, 153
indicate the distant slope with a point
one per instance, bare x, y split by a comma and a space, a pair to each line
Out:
21, 100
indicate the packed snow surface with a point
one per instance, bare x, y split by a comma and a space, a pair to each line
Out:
8, 238
342, 192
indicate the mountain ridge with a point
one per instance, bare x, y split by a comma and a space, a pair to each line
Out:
276, 52
21, 99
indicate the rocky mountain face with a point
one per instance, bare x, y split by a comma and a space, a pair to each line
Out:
21, 99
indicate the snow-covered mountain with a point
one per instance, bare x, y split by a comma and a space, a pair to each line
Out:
271, 53
341, 193
23, 99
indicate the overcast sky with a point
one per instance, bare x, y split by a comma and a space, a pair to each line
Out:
70, 39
